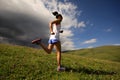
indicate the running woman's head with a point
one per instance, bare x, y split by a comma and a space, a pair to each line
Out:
58, 16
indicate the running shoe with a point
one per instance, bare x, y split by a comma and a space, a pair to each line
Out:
36, 41
60, 69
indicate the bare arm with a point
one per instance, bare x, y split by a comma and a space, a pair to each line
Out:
51, 25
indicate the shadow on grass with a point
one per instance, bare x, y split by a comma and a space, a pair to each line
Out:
90, 71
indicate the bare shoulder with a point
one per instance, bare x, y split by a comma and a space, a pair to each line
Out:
57, 21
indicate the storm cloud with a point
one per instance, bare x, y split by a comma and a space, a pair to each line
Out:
21, 21
20, 24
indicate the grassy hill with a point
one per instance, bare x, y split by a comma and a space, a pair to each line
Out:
111, 53
24, 63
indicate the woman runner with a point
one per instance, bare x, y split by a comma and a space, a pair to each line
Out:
54, 40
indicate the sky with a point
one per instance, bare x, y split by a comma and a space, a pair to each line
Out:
102, 23
86, 23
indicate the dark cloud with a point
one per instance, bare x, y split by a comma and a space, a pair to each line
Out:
21, 28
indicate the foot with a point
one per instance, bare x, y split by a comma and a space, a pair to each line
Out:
60, 69
36, 41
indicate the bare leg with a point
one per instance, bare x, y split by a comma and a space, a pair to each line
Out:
58, 49
47, 49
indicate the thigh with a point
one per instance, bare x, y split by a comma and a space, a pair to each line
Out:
50, 46
58, 46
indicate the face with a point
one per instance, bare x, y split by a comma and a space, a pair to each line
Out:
60, 17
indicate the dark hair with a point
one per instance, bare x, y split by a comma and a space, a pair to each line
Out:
56, 14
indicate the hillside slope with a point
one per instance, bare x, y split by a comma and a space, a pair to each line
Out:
24, 63
111, 53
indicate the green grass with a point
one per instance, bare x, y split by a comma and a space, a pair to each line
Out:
111, 53
24, 63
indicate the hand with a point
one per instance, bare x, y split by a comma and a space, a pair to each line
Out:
61, 31
52, 33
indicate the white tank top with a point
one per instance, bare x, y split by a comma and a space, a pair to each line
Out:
56, 30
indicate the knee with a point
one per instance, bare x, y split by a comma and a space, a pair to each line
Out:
58, 53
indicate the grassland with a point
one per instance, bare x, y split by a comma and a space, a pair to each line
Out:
111, 53
24, 63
